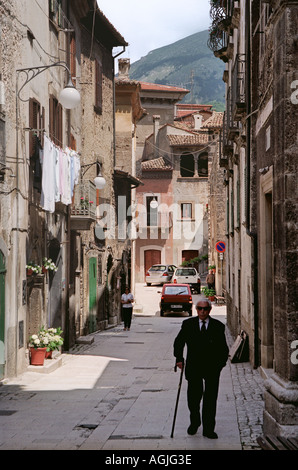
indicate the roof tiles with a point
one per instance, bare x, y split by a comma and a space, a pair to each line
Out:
157, 164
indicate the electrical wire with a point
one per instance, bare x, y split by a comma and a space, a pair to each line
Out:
155, 147
28, 29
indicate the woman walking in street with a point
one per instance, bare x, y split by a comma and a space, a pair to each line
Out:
127, 300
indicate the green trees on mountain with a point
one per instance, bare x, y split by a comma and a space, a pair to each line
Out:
187, 63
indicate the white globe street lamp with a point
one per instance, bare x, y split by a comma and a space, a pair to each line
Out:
69, 96
99, 182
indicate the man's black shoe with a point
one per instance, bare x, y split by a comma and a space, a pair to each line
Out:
192, 429
210, 435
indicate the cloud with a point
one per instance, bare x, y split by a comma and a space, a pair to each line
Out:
148, 25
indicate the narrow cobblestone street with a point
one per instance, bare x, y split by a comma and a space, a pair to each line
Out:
118, 392
248, 388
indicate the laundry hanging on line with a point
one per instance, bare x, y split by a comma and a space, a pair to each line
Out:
60, 174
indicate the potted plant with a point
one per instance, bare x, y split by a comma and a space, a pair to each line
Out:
33, 268
38, 347
53, 338
210, 293
49, 265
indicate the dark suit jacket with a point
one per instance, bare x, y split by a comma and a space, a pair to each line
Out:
205, 354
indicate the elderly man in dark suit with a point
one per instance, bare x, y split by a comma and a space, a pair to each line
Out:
207, 354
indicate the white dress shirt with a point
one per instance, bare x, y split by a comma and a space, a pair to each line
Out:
206, 323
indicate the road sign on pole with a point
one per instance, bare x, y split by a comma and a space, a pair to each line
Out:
220, 247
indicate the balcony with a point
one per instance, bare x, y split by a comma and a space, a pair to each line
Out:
227, 144
218, 33
238, 87
223, 159
83, 208
217, 42
232, 124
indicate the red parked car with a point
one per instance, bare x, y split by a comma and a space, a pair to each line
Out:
176, 298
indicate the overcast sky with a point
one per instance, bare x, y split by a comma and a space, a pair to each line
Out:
149, 24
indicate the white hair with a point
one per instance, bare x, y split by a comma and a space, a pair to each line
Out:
202, 298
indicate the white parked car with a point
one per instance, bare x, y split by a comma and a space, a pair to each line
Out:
160, 274
188, 276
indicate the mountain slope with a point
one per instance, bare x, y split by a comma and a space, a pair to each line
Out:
188, 63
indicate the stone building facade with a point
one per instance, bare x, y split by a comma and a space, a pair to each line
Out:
128, 112
177, 163
257, 42
84, 293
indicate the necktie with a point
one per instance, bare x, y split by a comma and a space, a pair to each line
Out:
203, 327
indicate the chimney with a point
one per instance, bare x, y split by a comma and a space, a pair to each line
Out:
156, 120
198, 118
123, 68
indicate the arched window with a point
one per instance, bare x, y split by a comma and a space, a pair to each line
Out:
203, 164
187, 165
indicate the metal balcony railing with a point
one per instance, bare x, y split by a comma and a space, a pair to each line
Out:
223, 159
231, 123
84, 200
227, 144
158, 219
218, 9
238, 97
217, 40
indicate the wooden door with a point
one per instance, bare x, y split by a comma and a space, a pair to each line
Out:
151, 257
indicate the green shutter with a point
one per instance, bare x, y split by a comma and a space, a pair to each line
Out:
238, 204
2, 314
92, 293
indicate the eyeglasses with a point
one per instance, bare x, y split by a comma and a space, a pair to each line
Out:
203, 308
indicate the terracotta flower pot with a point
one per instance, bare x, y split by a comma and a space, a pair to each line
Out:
29, 272
49, 354
37, 356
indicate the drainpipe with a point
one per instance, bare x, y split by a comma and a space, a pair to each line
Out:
250, 233
17, 273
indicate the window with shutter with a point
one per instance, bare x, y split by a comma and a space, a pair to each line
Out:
186, 210
98, 87
36, 124
56, 122
232, 211
152, 212
2, 143
238, 204
72, 142
56, 12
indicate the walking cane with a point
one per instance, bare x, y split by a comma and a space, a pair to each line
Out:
178, 395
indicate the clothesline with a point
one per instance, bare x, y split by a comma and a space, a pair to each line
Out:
60, 173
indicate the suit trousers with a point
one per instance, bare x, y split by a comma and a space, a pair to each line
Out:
203, 386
